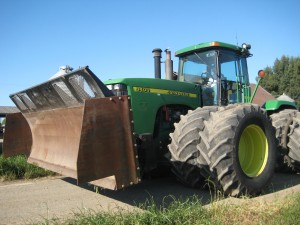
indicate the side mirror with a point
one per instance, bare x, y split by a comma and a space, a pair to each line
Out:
261, 74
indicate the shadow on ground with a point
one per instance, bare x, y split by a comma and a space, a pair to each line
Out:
162, 191
283, 181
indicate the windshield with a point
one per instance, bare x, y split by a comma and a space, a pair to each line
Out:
234, 77
200, 67
233, 67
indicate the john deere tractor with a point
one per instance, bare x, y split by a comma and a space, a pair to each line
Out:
200, 122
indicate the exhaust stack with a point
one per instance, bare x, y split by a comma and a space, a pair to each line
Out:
168, 65
157, 67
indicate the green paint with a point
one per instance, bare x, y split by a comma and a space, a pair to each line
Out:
148, 95
278, 104
209, 46
255, 90
145, 104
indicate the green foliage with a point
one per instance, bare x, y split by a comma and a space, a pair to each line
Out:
283, 77
16, 167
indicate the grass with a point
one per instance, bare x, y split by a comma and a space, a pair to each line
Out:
286, 211
16, 167
191, 211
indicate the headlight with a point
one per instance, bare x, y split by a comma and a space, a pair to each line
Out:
246, 46
118, 89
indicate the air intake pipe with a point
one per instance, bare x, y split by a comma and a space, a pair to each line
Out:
168, 65
157, 67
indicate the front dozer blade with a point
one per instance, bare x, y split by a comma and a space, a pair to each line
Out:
89, 138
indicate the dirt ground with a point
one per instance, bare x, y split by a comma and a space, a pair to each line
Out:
36, 200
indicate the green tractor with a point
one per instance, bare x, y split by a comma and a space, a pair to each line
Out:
200, 122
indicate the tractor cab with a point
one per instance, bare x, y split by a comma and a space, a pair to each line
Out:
220, 69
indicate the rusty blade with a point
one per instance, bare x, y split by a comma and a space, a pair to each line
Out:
88, 143
107, 145
17, 137
55, 139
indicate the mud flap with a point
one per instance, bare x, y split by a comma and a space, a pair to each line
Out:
17, 136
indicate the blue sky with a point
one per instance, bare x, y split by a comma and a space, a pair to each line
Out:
116, 38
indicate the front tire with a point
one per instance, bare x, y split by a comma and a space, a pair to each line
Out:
241, 149
183, 148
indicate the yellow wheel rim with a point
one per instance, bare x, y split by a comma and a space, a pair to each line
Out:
253, 151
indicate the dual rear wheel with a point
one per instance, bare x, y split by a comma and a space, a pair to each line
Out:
235, 149
282, 121
294, 143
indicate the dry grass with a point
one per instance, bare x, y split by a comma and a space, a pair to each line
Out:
250, 211
246, 212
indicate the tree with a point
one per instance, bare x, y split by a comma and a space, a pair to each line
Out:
283, 77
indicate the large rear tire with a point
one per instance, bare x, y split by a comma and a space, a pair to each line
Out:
183, 147
281, 122
240, 149
294, 143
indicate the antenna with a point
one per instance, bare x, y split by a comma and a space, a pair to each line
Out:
236, 38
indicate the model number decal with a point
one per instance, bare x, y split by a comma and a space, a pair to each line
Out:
164, 92
141, 89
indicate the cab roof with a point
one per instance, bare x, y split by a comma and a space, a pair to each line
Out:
208, 45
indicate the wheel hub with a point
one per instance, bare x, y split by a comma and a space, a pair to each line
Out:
253, 151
